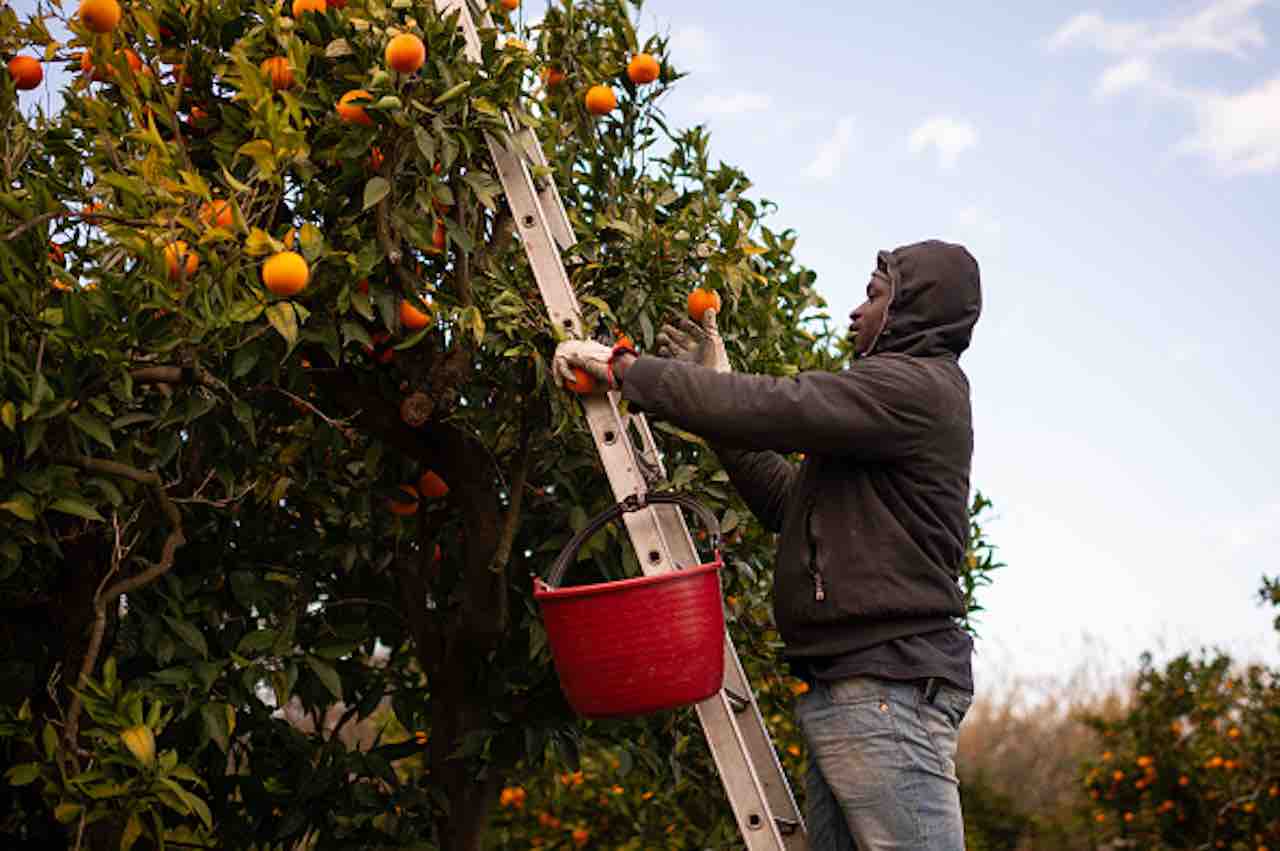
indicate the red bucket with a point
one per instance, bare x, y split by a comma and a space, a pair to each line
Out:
639, 645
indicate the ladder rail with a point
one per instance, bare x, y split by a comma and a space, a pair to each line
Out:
754, 781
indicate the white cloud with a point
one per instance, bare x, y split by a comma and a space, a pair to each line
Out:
694, 49
949, 136
1126, 75
1223, 26
1239, 133
735, 103
832, 152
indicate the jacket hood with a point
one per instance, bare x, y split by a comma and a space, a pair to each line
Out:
937, 297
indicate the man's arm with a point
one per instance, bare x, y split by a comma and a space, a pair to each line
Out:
879, 409
763, 479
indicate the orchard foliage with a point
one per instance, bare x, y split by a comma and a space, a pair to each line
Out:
198, 474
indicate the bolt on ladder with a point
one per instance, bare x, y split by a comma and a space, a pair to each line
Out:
748, 765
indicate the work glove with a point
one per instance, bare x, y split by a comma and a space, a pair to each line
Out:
589, 356
692, 342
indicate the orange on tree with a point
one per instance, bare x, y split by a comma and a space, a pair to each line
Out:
582, 381
301, 7
336, 4
285, 273
178, 257
439, 236
277, 69
601, 100
87, 67
375, 158
511, 5
26, 71
134, 60
432, 486
56, 255
699, 300
406, 53
642, 68
410, 506
552, 76
353, 113
411, 317
100, 16
217, 213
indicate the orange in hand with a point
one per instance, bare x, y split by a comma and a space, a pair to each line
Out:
582, 381
700, 300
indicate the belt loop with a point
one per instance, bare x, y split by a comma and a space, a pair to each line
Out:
931, 686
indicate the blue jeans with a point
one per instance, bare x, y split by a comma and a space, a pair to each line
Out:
882, 771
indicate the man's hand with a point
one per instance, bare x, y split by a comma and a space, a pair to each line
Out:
589, 356
688, 341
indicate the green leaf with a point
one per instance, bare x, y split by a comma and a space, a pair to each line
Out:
77, 507
21, 506
215, 724
484, 186
452, 92
426, 144
327, 675
9, 416
190, 635
375, 190
285, 320
94, 427
256, 641
132, 830
66, 812
21, 775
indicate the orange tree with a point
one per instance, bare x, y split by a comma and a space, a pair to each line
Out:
1195, 763
258, 281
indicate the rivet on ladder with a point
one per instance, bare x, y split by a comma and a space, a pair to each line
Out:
610, 436
528, 221
654, 556
754, 822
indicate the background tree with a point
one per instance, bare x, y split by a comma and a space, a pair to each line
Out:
276, 428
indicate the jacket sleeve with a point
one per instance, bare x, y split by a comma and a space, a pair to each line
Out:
879, 409
763, 479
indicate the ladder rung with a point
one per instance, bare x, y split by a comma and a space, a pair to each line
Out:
786, 826
737, 702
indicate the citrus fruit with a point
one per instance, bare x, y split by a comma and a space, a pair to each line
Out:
26, 72
336, 4
601, 100
301, 7
642, 68
278, 70
511, 5
412, 318
406, 53
100, 16
404, 509
285, 273
552, 77
582, 381
439, 237
700, 300
177, 255
353, 113
432, 486
217, 214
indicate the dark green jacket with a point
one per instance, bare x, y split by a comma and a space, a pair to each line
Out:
873, 522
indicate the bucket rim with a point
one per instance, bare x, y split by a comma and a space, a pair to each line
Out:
544, 592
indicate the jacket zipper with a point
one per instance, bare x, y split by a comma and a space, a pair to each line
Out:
819, 591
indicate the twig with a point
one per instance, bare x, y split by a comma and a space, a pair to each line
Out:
343, 427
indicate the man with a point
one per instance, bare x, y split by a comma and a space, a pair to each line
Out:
873, 527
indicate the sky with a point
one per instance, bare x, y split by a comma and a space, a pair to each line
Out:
1115, 169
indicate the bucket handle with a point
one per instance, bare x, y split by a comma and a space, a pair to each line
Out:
632, 503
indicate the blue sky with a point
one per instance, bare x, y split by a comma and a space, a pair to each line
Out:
1114, 168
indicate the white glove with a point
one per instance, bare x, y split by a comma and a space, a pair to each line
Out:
688, 341
587, 355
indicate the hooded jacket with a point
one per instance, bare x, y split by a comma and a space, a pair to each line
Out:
873, 522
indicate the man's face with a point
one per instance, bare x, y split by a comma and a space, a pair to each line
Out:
868, 320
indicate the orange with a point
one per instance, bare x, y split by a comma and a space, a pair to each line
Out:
404, 509
217, 214
406, 53
285, 273
582, 381
100, 16
301, 7
642, 68
601, 100
624, 341
134, 60
353, 113
412, 318
277, 68
56, 255
87, 67
440, 237
178, 252
26, 72
375, 158
700, 300
511, 5
336, 4
432, 486
552, 77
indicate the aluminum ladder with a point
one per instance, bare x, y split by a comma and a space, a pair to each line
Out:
754, 782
